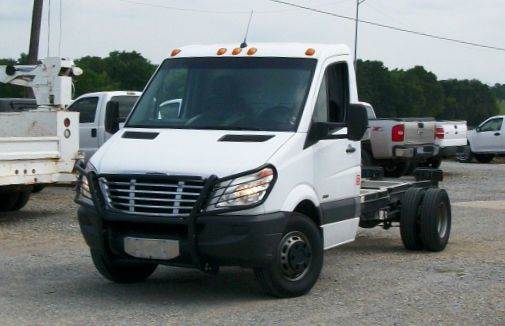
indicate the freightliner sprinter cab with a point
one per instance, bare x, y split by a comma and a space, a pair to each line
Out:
258, 165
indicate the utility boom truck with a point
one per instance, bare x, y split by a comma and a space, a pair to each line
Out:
259, 168
40, 146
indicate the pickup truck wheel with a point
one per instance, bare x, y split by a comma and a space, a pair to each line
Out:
466, 156
298, 261
484, 158
410, 218
435, 219
8, 201
121, 272
396, 169
22, 200
366, 158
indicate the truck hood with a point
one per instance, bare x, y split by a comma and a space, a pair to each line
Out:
187, 152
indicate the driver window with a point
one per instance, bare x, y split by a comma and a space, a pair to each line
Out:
492, 125
333, 97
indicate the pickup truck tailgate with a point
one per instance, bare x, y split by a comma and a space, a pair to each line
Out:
419, 132
451, 133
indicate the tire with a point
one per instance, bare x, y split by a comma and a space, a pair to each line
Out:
412, 166
435, 219
466, 156
484, 158
8, 201
38, 188
395, 169
22, 200
410, 217
302, 242
366, 158
121, 272
434, 162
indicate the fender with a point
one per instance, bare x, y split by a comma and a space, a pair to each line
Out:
300, 193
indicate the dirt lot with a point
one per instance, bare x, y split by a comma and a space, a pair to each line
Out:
46, 274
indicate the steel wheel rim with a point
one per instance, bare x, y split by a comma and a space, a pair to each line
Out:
295, 256
442, 220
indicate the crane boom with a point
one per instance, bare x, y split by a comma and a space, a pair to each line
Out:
50, 80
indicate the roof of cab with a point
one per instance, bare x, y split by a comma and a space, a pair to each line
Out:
293, 50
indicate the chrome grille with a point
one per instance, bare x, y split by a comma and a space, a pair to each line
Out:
145, 195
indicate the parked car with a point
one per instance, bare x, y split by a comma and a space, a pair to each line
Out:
450, 137
486, 141
398, 144
93, 109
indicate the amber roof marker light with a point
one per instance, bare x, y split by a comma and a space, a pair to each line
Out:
175, 52
310, 52
252, 51
221, 51
236, 51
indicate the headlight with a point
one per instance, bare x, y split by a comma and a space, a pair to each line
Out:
85, 189
246, 190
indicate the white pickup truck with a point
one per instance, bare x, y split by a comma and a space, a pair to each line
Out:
450, 137
101, 115
37, 146
486, 141
398, 144
261, 168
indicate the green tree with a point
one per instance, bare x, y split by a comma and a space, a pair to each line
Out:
130, 69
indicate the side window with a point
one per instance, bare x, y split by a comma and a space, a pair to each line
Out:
492, 125
333, 97
126, 104
86, 108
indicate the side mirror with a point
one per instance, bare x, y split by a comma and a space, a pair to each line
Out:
356, 121
478, 129
112, 117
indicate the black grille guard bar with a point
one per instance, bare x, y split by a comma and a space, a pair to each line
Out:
191, 220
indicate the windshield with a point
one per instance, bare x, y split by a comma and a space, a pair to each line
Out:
226, 93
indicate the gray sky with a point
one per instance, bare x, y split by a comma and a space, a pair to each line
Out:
96, 27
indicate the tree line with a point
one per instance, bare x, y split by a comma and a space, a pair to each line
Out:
415, 92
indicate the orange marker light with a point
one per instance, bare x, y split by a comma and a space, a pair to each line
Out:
221, 51
175, 52
310, 51
252, 51
236, 51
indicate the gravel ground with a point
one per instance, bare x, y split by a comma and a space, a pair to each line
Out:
46, 274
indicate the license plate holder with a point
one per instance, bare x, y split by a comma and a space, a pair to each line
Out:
161, 249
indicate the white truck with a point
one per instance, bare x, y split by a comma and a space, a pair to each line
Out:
38, 147
450, 137
261, 169
486, 141
398, 145
101, 114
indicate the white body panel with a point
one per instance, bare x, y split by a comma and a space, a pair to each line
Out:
455, 133
34, 148
488, 140
323, 172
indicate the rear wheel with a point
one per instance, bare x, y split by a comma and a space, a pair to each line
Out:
121, 272
465, 156
435, 221
8, 201
298, 261
21, 201
396, 169
410, 218
484, 158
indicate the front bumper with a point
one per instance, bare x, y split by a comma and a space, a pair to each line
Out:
227, 240
416, 151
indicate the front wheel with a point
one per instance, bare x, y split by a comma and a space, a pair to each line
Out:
484, 158
435, 220
298, 260
121, 272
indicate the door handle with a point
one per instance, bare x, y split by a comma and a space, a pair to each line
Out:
93, 132
350, 149
497, 134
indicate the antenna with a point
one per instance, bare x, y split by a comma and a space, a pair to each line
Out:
244, 44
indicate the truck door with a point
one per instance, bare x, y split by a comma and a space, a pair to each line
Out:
488, 137
337, 161
88, 131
